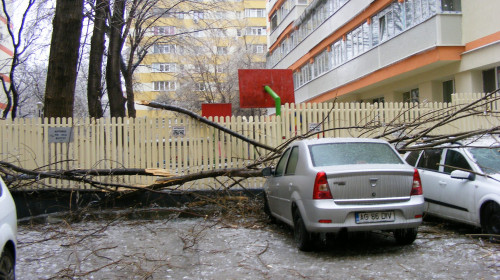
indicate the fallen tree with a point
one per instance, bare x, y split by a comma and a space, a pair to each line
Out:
402, 135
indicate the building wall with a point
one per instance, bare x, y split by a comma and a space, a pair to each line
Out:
422, 53
241, 29
5, 55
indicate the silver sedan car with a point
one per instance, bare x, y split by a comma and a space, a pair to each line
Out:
344, 184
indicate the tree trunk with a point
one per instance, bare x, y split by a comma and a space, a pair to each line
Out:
63, 59
113, 82
94, 87
127, 73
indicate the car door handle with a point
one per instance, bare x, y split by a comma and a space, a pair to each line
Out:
290, 186
442, 183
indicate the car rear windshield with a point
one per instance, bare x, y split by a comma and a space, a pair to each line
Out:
353, 153
487, 159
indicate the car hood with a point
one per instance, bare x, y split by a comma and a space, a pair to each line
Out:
495, 176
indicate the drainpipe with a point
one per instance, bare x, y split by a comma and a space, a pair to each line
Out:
277, 99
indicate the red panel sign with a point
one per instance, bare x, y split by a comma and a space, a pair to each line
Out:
252, 82
216, 110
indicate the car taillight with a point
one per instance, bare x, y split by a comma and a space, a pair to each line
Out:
416, 188
321, 188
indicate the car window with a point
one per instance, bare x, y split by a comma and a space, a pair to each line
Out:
292, 161
430, 159
487, 159
353, 153
455, 160
282, 163
412, 158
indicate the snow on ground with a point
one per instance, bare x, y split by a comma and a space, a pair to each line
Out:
211, 248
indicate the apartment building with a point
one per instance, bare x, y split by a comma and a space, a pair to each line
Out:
5, 58
196, 50
385, 50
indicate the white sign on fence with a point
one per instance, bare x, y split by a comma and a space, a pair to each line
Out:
178, 131
60, 134
314, 127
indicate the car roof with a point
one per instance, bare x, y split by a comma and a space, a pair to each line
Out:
338, 140
479, 141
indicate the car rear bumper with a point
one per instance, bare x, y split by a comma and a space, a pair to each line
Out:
326, 216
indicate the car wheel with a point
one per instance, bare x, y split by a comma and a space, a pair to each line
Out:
267, 210
405, 236
490, 218
301, 235
7, 264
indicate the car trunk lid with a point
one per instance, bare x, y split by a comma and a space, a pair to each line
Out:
370, 185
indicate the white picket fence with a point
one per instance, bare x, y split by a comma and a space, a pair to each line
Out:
183, 145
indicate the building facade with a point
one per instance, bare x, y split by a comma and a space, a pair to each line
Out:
195, 52
5, 58
385, 50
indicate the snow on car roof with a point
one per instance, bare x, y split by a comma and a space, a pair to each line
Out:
340, 140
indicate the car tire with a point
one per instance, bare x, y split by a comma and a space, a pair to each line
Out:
267, 210
490, 218
405, 236
301, 236
7, 265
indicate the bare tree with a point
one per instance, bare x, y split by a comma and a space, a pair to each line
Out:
210, 73
113, 82
19, 46
97, 47
63, 59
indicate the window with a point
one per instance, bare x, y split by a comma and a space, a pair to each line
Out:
338, 53
491, 79
386, 24
412, 158
198, 34
292, 161
164, 67
197, 15
430, 159
488, 159
164, 30
219, 69
256, 31
378, 100
352, 153
451, 5
163, 48
321, 63
199, 86
164, 86
159, 12
448, 89
222, 50
455, 161
220, 32
259, 48
411, 96
274, 21
179, 15
255, 13
282, 163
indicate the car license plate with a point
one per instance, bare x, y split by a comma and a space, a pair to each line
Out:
374, 217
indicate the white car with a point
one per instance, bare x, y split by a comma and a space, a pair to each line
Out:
8, 233
461, 181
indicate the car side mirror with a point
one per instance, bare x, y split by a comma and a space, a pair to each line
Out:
268, 171
460, 174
